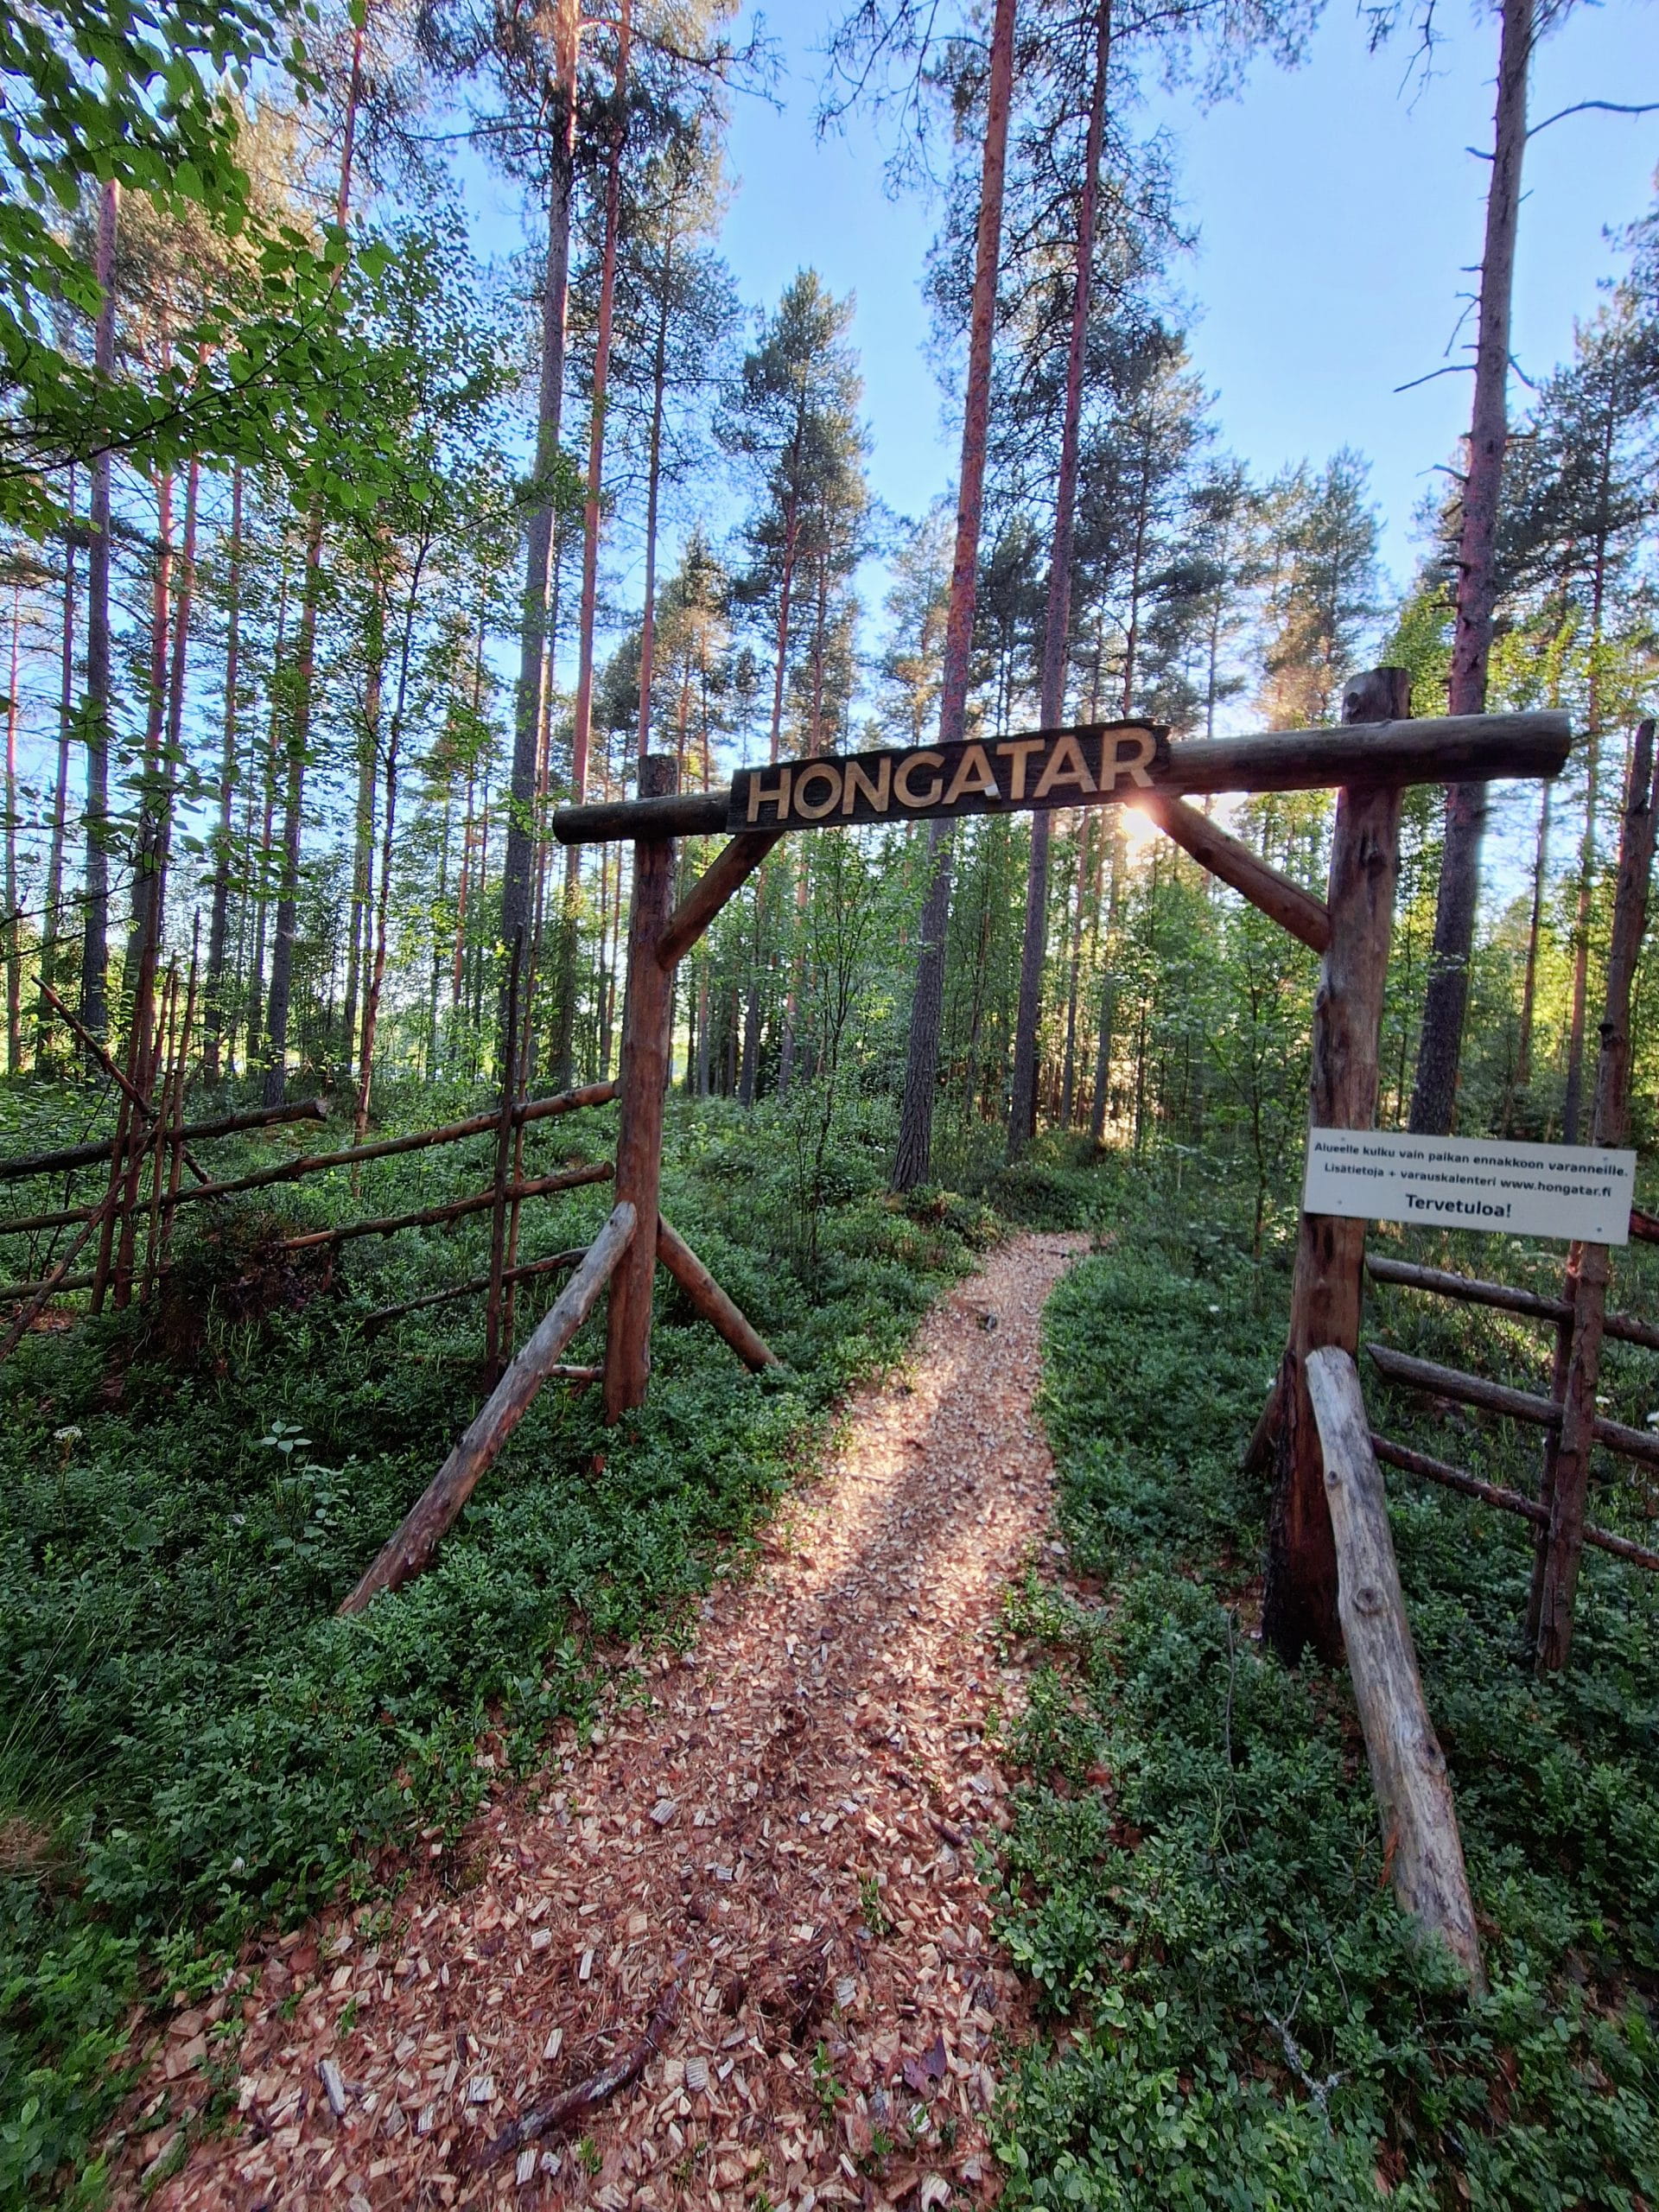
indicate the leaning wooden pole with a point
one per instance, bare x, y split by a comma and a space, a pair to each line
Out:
1299, 1602
708, 1299
647, 1023
1422, 1849
1560, 1545
439, 1507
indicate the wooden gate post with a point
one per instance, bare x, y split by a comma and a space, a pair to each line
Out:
1299, 1605
1566, 1470
647, 1024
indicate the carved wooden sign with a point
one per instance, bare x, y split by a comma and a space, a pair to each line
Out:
1090, 765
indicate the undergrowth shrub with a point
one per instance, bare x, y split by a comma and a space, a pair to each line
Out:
1238, 2015
194, 1745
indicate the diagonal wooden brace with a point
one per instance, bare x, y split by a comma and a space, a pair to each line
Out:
1308, 919
711, 1301
439, 1505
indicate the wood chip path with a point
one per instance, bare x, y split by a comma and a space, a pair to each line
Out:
779, 1841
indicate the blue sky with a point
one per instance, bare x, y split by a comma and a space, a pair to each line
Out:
1335, 210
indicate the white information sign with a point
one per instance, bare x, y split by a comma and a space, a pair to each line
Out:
1528, 1190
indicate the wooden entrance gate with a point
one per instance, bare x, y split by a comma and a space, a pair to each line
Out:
1378, 750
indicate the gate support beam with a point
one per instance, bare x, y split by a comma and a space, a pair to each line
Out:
647, 1029
1300, 1603
1308, 919
728, 871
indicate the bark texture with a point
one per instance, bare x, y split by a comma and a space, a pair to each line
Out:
1447, 999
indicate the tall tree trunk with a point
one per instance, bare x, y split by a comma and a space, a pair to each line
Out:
1074, 968
1022, 1108
1573, 1103
95, 943
653, 494
305, 669
1529, 984
171, 751
13, 919
145, 930
1100, 1105
535, 629
1447, 998
913, 1161
382, 902
258, 859
53, 921
357, 946
581, 736
219, 921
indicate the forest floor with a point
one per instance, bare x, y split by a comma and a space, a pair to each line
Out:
759, 1871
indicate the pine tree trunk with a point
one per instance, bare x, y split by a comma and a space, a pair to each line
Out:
1069, 1072
14, 920
95, 943
535, 626
1022, 1110
1447, 998
564, 1034
170, 751
1534, 925
358, 942
219, 921
144, 930
382, 902
1572, 1103
257, 868
913, 1161
52, 919
299, 734
654, 495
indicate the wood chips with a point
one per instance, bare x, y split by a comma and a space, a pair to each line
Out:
758, 1883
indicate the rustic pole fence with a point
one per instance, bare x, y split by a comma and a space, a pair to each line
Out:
1560, 1547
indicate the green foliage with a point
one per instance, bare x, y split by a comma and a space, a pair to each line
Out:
198, 1745
1195, 1877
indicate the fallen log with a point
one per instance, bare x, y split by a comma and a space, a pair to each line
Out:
1422, 1848
85, 1155
59, 1286
706, 1295
587, 2096
456, 1210
435, 1511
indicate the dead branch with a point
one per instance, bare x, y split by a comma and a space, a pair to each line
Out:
587, 2096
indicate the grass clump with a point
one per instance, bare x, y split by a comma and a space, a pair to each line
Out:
1239, 2015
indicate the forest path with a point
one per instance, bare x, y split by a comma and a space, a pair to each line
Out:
782, 1833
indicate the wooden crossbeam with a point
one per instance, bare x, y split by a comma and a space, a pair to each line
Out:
1499, 1398
1446, 748
1440, 1282
84, 1156
722, 1313
1506, 1501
